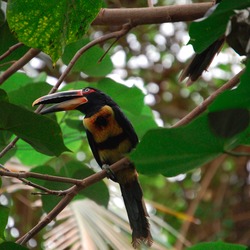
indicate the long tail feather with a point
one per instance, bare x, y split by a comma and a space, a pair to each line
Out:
137, 213
201, 62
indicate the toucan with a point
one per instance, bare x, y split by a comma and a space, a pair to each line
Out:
111, 136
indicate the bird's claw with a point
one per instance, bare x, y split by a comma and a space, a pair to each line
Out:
109, 171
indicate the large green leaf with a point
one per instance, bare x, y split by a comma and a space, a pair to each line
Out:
25, 95
178, 150
51, 25
32, 128
204, 33
217, 246
25, 150
4, 214
88, 62
16, 81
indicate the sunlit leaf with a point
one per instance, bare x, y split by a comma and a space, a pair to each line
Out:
25, 150
56, 23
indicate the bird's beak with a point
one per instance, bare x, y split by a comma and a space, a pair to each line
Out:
66, 100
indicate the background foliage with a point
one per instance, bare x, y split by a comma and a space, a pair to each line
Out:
196, 188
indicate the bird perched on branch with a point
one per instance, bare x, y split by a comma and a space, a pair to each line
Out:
110, 136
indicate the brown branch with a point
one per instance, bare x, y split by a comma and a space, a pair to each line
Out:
156, 15
19, 64
9, 147
10, 50
202, 107
21, 175
121, 164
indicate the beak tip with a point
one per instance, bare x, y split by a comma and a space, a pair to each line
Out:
35, 102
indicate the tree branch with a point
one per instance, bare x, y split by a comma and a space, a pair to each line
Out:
19, 64
10, 50
121, 164
156, 15
208, 177
202, 107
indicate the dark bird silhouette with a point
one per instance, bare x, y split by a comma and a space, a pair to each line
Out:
111, 136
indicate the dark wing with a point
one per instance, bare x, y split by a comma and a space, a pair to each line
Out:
126, 125
93, 147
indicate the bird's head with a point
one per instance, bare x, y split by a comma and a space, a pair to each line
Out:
87, 100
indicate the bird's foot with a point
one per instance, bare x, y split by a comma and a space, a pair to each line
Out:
109, 171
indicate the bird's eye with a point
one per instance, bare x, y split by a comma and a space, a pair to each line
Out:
86, 89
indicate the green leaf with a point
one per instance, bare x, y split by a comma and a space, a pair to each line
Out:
16, 81
73, 169
31, 92
51, 25
25, 150
11, 246
49, 201
130, 99
3, 96
204, 33
5, 138
217, 246
236, 98
228, 123
178, 150
88, 62
41, 132
4, 214
97, 192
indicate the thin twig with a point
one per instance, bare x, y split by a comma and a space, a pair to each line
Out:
9, 147
121, 164
208, 177
202, 107
19, 64
10, 50
21, 175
